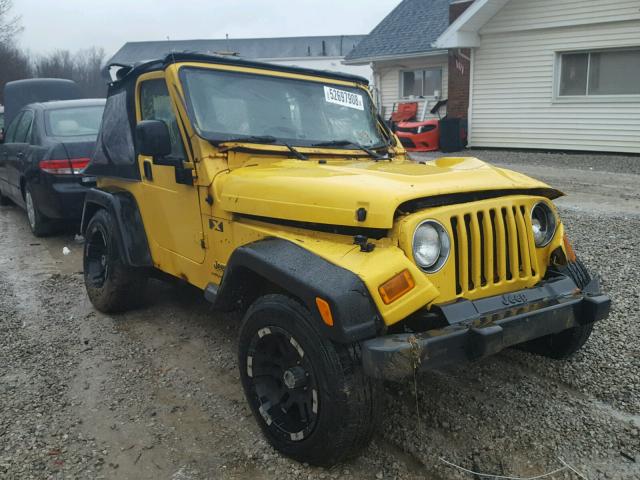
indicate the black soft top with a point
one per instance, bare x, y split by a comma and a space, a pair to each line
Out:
115, 154
137, 69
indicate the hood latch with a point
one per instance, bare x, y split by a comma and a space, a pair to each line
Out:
363, 242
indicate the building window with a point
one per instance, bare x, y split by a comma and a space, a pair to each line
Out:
604, 72
421, 83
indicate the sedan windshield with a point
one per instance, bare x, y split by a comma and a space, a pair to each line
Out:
231, 105
74, 122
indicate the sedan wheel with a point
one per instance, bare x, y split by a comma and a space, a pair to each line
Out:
31, 211
40, 225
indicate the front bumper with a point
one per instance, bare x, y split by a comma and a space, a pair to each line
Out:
477, 329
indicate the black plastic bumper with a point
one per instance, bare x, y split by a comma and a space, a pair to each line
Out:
61, 197
483, 327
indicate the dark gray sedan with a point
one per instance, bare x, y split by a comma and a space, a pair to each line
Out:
45, 149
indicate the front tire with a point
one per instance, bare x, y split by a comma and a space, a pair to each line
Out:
111, 285
564, 344
308, 394
40, 225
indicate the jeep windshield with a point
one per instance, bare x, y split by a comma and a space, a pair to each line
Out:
226, 106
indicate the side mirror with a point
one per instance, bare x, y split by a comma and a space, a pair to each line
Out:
153, 139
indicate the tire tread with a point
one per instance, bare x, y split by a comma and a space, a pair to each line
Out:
125, 285
357, 402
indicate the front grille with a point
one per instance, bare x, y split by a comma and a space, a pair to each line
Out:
416, 130
413, 130
407, 142
493, 246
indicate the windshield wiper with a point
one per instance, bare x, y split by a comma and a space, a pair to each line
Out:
269, 139
249, 139
345, 143
299, 156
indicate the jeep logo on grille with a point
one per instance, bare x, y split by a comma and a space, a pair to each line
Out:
514, 299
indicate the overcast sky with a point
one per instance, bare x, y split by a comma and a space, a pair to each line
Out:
75, 24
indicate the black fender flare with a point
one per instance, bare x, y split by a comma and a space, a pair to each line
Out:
306, 276
130, 233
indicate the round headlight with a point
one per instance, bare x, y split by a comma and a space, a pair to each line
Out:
543, 223
431, 246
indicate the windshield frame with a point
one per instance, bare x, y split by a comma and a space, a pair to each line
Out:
386, 137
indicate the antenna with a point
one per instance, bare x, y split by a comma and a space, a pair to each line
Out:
173, 57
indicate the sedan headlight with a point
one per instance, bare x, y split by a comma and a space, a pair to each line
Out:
431, 246
543, 223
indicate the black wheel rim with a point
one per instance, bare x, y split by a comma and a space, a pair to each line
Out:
283, 384
97, 258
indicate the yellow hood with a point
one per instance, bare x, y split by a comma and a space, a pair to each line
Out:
332, 193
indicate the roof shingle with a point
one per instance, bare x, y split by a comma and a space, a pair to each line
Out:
410, 28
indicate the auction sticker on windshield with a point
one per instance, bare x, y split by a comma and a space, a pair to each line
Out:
344, 98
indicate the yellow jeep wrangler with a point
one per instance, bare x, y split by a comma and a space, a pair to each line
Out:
280, 192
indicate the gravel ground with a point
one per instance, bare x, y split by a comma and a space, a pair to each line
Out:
604, 162
155, 394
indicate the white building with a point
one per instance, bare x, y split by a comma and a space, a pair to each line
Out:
406, 66
552, 74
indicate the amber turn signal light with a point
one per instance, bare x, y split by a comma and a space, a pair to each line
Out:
394, 288
325, 311
571, 255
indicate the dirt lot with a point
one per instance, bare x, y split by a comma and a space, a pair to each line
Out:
155, 393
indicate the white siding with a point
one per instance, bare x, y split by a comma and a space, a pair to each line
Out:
387, 76
533, 14
513, 103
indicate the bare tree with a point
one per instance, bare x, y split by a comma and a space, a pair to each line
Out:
15, 66
83, 67
58, 64
9, 26
88, 72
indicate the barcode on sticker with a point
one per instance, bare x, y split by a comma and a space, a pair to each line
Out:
344, 98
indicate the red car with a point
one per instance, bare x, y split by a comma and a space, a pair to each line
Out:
420, 136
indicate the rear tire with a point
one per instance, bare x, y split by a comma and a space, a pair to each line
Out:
308, 394
564, 344
40, 225
111, 285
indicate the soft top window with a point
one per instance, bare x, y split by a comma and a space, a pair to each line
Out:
115, 152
